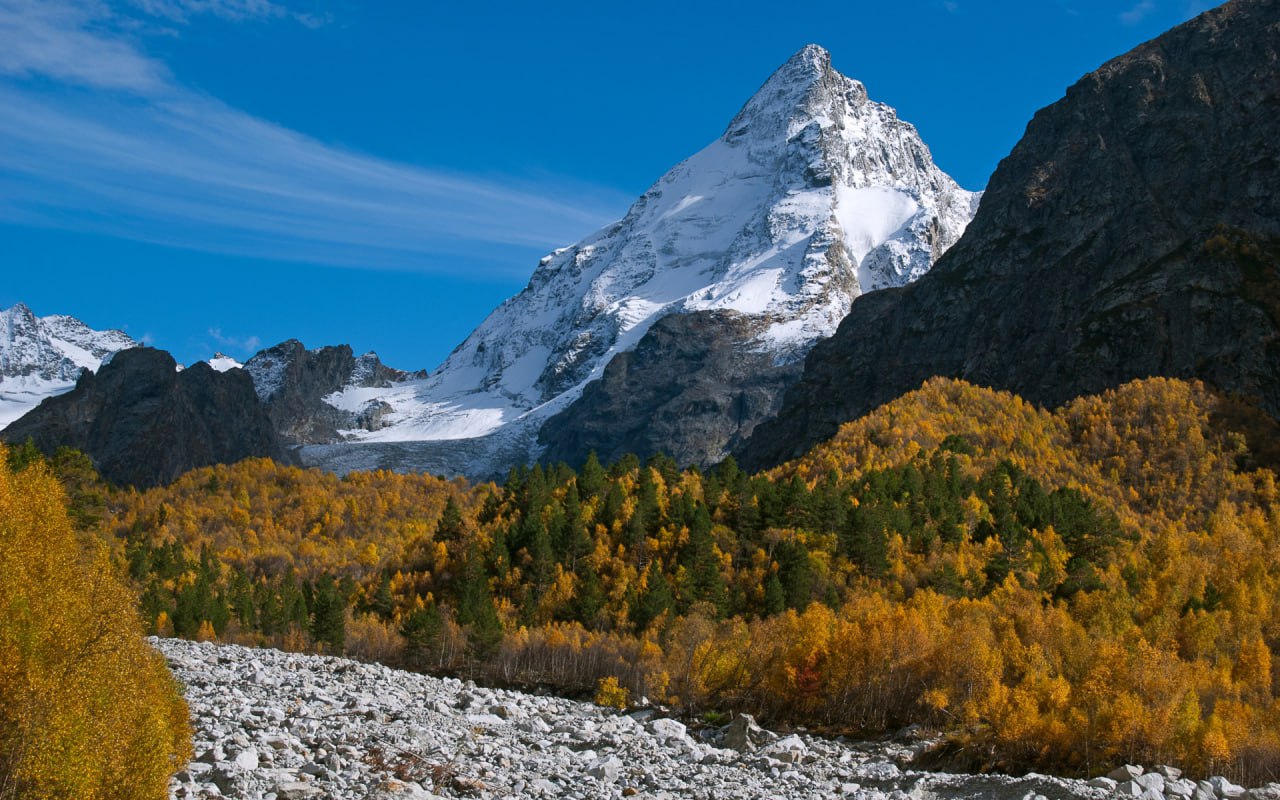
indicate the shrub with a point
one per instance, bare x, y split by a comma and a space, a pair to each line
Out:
610, 694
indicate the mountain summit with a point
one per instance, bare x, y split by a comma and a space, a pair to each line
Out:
813, 195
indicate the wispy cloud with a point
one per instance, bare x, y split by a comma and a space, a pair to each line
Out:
242, 344
951, 6
181, 11
121, 148
1138, 12
68, 42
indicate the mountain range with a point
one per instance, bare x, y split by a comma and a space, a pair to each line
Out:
758, 244
782, 280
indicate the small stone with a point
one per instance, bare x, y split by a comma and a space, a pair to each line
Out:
606, 769
1108, 784
1153, 781
789, 750
1167, 771
247, 759
744, 735
1126, 773
295, 790
504, 711
667, 729
1224, 788
545, 786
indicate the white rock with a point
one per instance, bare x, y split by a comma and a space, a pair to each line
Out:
665, 729
1151, 780
1125, 773
247, 759
351, 755
606, 769
295, 790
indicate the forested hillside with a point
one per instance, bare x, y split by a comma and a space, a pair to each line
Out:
1056, 590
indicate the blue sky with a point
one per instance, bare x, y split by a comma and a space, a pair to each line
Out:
225, 174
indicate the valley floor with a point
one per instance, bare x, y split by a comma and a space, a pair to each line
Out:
279, 725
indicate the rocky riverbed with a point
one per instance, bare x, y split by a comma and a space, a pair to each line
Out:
280, 726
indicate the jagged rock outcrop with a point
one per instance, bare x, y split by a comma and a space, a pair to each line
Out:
144, 422
43, 356
1133, 231
306, 391
692, 388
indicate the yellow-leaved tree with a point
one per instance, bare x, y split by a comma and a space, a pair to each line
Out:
87, 709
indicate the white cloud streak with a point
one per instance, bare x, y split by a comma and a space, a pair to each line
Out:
181, 11
66, 41
1138, 12
121, 149
243, 344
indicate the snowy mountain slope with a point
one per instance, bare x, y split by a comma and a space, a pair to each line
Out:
311, 395
43, 356
223, 362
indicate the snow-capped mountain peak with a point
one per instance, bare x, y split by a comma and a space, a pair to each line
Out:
43, 356
789, 99
813, 195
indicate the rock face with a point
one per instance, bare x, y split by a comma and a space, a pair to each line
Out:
299, 726
813, 195
692, 388
1134, 231
43, 356
313, 395
145, 423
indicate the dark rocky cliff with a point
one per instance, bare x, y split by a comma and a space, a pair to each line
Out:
693, 388
1133, 231
144, 423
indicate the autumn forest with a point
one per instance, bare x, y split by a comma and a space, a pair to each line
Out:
1060, 590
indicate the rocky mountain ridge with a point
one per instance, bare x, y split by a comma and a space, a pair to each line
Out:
144, 422
1133, 231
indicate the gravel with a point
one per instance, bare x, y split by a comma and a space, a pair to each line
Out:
271, 725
